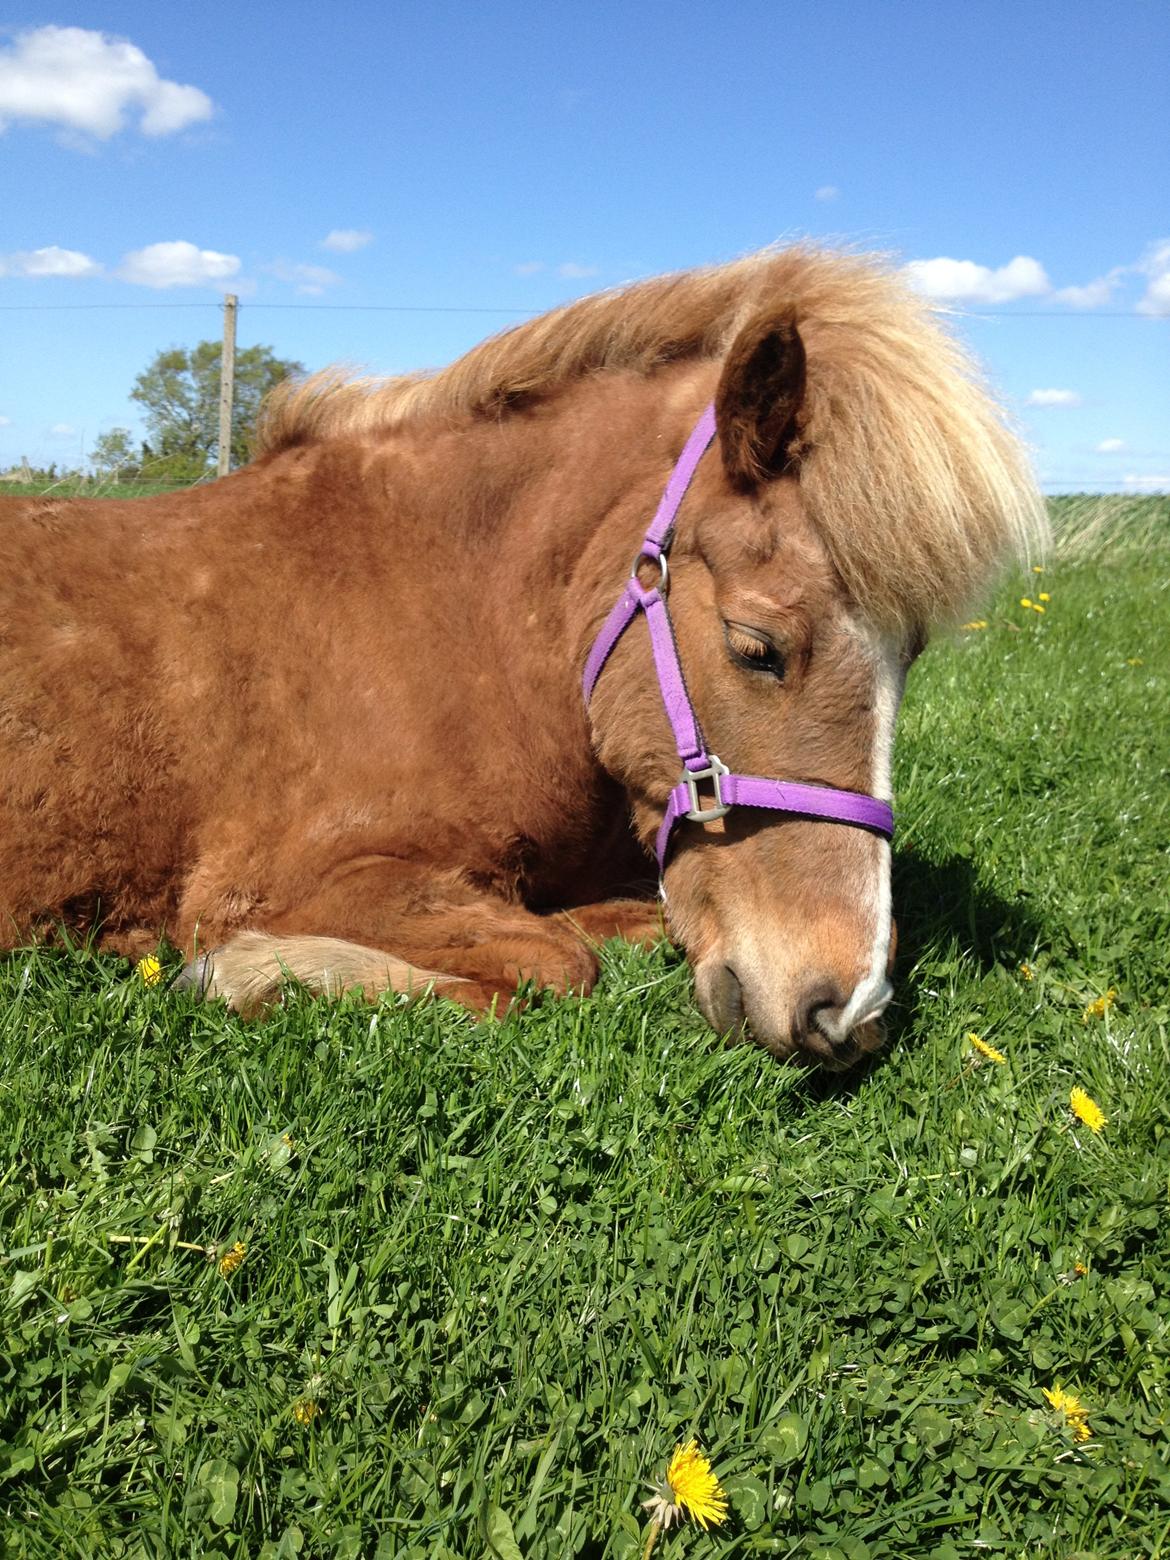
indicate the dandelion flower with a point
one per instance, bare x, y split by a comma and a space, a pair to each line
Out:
231, 1260
1025, 601
976, 623
305, 1410
1027, 971
1037, 568
689, 1489
1086, 1109
150, 970
1036, 607
1101, 1006
1075, 1413
1044, 596
986, 1050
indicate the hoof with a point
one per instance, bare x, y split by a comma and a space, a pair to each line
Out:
195, 977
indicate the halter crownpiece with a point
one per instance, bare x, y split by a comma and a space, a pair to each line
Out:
731, 790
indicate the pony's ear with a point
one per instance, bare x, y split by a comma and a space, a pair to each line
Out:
759, 395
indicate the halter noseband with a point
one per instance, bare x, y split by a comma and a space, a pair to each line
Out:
790, 796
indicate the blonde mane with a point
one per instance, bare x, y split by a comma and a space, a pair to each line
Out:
908, 468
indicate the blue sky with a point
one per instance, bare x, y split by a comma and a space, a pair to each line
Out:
453, 165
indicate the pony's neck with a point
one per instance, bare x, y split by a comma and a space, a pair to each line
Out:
547, 508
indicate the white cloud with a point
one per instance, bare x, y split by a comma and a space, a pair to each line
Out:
85, 81
1110, 446
1053, 398
1158, 482
177, 264
5, 422
309, 279
1155, 264
966, 281
1093, 295
528, 267
572, 270
62, 430
343, 241
826, 192
50, 261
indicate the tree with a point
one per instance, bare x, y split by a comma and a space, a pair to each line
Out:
113, 455
180, 391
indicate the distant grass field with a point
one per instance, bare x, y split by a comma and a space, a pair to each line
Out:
387, 1282
84, 487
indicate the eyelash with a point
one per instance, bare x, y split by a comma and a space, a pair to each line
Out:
771, 661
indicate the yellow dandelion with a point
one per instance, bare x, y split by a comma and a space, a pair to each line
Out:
1036, 607
150, 970
305, 1410
1043, 596
1075, 1413
1080, 1269
1025, 601
1086, 1109
231, 1260
1101, 1006
1027, 971
976, 623
986, 1050
1037, 568
689, 1489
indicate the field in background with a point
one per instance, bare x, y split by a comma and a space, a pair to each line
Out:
387, 1282
88, 487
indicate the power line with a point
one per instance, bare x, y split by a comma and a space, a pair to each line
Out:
368, 308
446, 308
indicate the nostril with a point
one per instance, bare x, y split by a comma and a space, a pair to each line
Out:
730, 998
721, 998
819, 1010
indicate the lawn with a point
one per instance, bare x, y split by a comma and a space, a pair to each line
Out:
387, 1282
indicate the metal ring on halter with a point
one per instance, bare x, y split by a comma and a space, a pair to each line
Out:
660, 560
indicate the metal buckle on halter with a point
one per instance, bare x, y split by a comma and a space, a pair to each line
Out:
691, 778
663, 569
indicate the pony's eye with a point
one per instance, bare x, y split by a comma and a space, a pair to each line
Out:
750, 650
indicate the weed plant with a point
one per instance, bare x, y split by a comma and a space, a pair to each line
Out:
384, 1281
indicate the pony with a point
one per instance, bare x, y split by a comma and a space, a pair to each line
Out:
323, 718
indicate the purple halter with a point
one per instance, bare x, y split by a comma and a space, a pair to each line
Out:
790, 796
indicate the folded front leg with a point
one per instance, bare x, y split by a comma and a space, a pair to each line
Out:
383, 925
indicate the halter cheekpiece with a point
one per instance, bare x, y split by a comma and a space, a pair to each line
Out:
699, 766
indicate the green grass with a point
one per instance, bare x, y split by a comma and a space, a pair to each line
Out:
89, 487
513, 1265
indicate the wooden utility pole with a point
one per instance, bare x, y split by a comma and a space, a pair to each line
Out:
227, 383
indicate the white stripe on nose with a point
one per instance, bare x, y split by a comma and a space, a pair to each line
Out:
874, 991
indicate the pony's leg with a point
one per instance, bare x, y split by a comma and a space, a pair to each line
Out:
445, 935
250, 968
638, 921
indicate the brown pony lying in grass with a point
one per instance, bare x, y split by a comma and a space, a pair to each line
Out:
324, 717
